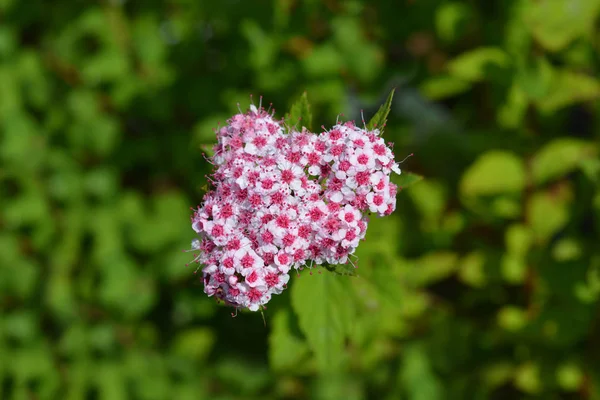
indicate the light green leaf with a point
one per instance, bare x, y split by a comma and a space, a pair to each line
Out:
417, 374
512, 318
471, 269
286, 350
570, 376
511, 113
560, 157
568, 88
495, 172
547, 213
194, 343
430, 199
513, 268
433, 267
443, 86
527, 378
380, 118
407, 179
450, 20
518, 240
475, 65
300, 113
556, 23
324, 307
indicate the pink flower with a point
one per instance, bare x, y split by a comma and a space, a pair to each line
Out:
284, 199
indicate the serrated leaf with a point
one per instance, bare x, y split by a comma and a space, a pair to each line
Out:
342, 269
323, 305
300, 113
380, 117
407, 179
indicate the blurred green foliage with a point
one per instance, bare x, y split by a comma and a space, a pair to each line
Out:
484, 284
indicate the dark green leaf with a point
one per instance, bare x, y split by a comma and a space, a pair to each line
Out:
342, 269
380, 118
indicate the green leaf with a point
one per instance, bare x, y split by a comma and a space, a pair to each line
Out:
512, 318
472, 269
417, 374
380, 118
286, 350
443, 86
195, 343
451, 20
556, 23
547, 213
495, 172
518, 240
568, 88
476, 65
527, 378
559, 157
513, 268
342, 269
570, 376
300, 113
407, 179
323, 305
511, 113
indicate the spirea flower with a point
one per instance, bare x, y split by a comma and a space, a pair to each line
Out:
283, 199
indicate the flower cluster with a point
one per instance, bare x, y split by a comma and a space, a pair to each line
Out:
282, 200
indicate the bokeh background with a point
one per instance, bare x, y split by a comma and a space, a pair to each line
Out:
483, 285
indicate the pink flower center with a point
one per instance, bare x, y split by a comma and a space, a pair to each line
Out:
337, 150
379, 149
217, 231
255, 200
289, 239
299, 255
345, 165
254, 294
315, 214
253, 277
313, 158
234, 244
282, 221
304, 231
247, 261
228, 262
283, 258
267, 183
335, 134
260, 141
277, 198
287, 175
362, 177
272, 279
267, 237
